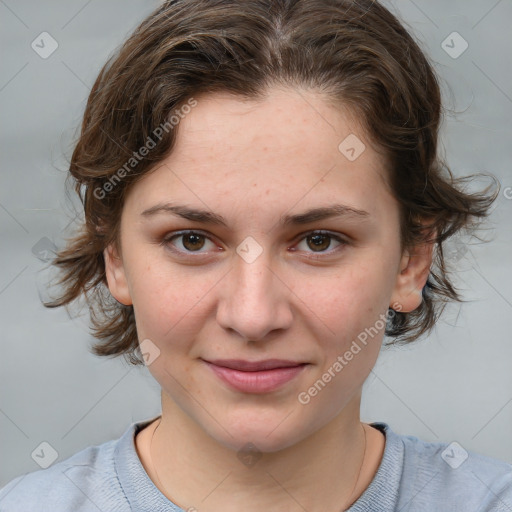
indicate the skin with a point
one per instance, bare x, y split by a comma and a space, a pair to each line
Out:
252, 162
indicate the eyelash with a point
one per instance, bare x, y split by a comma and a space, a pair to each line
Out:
166, 241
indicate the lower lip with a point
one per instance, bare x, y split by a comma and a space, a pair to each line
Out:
256, 382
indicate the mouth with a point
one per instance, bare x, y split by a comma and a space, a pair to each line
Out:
256, 376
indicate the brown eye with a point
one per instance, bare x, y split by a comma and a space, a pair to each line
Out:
191, 242
320, 242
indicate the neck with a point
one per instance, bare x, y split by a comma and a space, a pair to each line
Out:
326, 471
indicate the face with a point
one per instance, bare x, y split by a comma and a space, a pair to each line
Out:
263, 281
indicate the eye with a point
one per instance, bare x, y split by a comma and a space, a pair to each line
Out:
191, 241
319, 241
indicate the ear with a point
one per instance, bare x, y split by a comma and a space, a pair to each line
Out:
413, 274
116, 275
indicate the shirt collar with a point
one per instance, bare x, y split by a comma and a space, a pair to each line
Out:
144, 496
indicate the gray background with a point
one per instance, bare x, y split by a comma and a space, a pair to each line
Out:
455, 385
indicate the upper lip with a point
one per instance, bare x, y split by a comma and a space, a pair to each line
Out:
254, 366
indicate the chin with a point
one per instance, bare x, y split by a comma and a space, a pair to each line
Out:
267, 433
259, 440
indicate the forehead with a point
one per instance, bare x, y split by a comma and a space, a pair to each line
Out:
290, 123
283, 149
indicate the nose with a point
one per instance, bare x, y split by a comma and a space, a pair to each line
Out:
255, 300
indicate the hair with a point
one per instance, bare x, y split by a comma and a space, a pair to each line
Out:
355, 53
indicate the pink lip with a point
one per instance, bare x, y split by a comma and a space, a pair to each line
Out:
258, 376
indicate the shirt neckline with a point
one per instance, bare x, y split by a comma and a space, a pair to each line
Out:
143, 495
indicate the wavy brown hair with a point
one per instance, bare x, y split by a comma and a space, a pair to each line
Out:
355, 53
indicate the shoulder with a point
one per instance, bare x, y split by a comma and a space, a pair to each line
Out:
446, 476
86, 481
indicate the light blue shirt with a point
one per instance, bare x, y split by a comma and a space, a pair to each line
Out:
413, 476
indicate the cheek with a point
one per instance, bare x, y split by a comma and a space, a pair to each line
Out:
167, 302
351, 298
352, 314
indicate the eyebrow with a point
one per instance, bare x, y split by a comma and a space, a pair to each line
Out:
208, 217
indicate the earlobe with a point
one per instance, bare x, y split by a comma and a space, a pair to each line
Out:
412, 277
116, 276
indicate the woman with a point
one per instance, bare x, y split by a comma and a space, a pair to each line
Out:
263, 202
